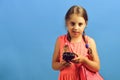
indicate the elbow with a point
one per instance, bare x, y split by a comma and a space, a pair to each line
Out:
97, 69
54, 67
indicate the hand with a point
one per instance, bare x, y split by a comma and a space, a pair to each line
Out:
65, 64
79, 59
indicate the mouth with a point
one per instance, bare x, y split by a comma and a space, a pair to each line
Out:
75, 32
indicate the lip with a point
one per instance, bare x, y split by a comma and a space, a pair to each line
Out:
75, 32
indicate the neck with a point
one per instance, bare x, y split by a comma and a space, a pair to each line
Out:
76, 39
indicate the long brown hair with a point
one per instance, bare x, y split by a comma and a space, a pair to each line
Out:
76, 10
81, 12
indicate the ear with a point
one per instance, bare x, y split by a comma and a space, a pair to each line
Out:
66, 23
86, 23
66, 26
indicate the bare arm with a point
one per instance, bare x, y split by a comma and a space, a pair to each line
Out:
56, 64
94, 64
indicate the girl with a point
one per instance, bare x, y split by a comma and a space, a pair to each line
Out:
86, 64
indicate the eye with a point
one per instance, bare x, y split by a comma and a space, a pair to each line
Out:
72, 23
80, 24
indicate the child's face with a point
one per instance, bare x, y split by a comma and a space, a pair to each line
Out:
76, 25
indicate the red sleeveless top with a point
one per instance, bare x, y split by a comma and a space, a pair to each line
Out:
74, 71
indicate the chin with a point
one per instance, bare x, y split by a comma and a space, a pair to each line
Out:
76, 36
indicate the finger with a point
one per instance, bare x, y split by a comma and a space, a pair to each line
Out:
76, 61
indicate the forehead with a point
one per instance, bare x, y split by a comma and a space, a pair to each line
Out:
76, 18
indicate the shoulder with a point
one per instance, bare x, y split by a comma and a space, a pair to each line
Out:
60, 39
62, 36
91, 41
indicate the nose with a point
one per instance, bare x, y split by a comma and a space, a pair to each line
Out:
76, 26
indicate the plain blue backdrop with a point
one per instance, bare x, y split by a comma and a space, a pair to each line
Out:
29, 28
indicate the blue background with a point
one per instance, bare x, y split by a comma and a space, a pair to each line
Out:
29, 28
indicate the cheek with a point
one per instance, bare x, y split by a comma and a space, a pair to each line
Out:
83, 27
69, 27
